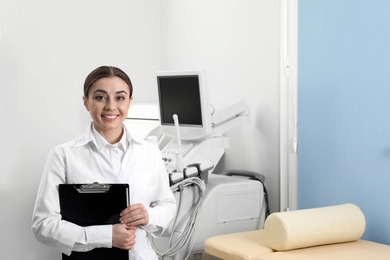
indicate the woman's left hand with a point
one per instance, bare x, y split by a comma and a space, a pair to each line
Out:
134, 215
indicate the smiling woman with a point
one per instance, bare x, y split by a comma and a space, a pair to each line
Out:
106, 153
108, 101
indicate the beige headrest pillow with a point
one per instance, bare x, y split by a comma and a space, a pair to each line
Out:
312, 227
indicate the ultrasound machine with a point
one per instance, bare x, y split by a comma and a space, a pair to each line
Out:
190, 135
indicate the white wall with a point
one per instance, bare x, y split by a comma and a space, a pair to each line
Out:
236, 43
48, 47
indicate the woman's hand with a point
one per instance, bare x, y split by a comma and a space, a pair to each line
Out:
135, 215
123, 236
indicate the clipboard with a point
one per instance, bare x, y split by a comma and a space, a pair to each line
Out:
94, 204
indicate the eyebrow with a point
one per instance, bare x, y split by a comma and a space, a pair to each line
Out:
105, 92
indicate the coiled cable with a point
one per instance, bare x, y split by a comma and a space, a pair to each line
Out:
186, 240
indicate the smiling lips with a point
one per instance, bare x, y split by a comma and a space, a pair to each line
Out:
110, 117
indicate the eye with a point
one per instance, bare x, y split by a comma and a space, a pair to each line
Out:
100, 97
120, 98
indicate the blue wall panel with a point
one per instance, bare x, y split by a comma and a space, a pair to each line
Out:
344, 108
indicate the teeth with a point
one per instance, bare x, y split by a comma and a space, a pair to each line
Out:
110, 117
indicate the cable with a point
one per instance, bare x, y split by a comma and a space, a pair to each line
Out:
252, 176
267, 211
186, 240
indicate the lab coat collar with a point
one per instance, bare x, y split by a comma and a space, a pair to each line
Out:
88, 137
101, 143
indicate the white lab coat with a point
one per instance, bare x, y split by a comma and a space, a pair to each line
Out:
79, 161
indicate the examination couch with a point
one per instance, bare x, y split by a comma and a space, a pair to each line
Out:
326, 233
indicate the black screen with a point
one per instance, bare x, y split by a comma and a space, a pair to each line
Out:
180, 95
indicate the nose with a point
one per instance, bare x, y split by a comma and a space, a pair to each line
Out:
110, 104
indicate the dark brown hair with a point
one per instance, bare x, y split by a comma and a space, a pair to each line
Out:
106, 72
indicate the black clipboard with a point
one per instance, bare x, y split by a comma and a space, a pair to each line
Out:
94, 204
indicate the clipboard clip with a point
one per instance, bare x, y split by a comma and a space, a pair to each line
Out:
94, 188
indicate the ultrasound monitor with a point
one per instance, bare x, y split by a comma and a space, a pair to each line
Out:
183, 93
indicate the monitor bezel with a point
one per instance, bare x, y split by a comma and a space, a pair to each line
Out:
187, 132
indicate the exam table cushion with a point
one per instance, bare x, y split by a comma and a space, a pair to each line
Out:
358, 250
237, 246
312, 227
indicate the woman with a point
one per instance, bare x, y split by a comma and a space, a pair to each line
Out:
106, 153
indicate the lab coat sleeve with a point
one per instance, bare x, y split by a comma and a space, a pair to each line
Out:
163, 207
47, 225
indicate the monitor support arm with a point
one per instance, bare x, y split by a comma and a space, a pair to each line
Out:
230, 117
